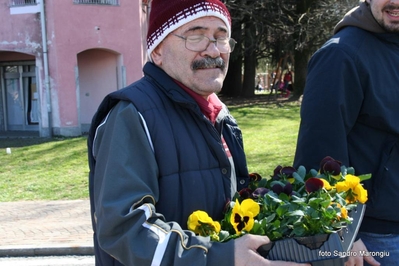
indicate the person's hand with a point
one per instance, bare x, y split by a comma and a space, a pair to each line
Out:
358, 260
245, 252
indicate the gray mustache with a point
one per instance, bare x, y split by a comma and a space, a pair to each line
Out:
208, 62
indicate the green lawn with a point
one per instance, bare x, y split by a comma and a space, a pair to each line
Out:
270, 135
57, 169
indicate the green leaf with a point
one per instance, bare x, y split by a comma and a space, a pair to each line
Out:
281, 210
273, 197
223, 235
313, 172
284, 197
262, 182
364, 177
296, 213
350, 170
270, 218
298, 178
325, 203
301, 171
277, 182
299, 231
256, 228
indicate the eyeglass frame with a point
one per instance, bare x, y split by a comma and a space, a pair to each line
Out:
231, 41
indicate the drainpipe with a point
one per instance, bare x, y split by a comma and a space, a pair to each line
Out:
46, 70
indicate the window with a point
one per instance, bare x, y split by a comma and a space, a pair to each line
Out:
97, 2
22, 2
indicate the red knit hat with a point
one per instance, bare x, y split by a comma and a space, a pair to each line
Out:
168, 15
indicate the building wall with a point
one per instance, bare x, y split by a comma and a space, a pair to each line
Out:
21, 33
92, 50
97, 77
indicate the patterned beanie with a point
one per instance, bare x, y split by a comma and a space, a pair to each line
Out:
168, 15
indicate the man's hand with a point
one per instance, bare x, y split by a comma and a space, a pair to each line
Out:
245, 252
358, 260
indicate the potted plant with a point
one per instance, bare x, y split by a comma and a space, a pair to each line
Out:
309, 216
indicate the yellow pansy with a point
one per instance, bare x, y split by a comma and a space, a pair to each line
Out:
361, 194
326, 184
352, 186
242, 216
350, 182
200, 223
344, 213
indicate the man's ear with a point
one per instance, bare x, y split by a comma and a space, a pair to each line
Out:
156, 55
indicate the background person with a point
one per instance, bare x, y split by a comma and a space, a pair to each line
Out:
350, 112
166, 146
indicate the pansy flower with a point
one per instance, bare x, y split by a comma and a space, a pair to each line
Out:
313, 184
255, 177
326, 184
332, 166
245, 193
284, 173
242, 216
344, 213
278, 188
259, 192
200, 223
355, 191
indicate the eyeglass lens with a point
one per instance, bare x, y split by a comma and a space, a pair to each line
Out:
199, 43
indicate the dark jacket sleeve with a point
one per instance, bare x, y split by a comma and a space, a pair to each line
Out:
125, 196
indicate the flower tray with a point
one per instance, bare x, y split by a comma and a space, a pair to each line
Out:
320, 250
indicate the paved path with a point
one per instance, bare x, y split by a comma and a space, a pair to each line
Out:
45, 228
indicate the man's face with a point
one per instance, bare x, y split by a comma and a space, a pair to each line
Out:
386, 13
186, 66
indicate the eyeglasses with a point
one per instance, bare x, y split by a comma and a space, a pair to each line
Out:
199, 43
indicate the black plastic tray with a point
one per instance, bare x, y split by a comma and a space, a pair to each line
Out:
333, 249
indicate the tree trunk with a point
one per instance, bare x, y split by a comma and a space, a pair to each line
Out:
249, 58
232, 85
301, 57
301, 70
249, 75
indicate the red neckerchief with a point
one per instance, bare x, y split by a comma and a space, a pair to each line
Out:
210, 108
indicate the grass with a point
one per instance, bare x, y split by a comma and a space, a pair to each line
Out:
270, 134
57, 169
44, 169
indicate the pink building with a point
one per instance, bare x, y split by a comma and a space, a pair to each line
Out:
59, 58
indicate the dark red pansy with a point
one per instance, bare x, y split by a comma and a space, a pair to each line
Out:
276, 172
330, 165
325, 159
288, 171
245, 193
313, 184
277, 188
255, 176
287, 188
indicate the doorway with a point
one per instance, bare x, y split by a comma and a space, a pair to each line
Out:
19, 97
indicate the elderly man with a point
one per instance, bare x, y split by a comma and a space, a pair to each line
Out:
166, 146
